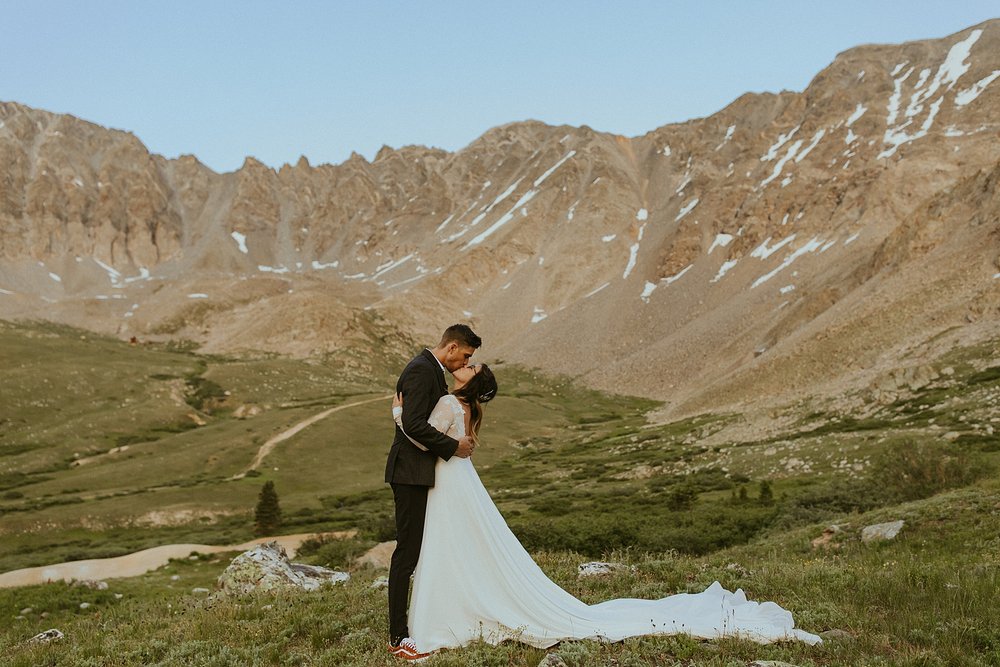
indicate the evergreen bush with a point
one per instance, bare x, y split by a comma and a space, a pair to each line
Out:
267, 516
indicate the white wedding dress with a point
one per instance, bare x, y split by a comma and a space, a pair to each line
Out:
475, 581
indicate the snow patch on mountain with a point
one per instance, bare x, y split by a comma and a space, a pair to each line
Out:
241, 242
780, 164
593, 292
772, 152
811, 246
724, 269
687, 209
815, 140
969, 94
541, 179
647, 290
859, 111
721, 241
763, 251
677, 276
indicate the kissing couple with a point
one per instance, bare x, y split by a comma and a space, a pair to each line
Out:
472, 579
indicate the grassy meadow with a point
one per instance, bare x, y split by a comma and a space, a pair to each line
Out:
107, 448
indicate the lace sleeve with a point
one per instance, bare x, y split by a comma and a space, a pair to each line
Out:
442, 416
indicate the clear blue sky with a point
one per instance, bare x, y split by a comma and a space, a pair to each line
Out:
280, 79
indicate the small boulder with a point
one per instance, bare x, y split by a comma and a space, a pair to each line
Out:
266, 569
377, 557
45, 637
91, 584
881, 531
836, 635
380, 583
246, 411
771, 663
200, 590
825, 541
552, 660
597, 569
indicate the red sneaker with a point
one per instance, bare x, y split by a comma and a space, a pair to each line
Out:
407, 650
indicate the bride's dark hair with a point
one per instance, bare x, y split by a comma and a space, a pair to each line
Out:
480, 389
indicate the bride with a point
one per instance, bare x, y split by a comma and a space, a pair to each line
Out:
474, 580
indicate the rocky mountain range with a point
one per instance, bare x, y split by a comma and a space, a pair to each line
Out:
795, 244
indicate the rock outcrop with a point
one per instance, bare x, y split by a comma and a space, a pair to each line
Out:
881, 531
266, 569
50, 635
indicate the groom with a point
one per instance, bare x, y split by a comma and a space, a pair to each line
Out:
410, 469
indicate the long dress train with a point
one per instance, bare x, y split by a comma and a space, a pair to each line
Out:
475, 581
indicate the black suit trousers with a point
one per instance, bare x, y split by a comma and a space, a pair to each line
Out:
411, 504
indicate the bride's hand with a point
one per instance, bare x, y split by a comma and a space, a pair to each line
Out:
397, 407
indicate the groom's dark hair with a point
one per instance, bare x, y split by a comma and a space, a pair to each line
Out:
461, 333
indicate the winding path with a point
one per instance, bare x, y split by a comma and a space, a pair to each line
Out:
140, 562
268, 446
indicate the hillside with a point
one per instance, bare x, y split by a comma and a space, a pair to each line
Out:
150, 445
890, 603
791, 245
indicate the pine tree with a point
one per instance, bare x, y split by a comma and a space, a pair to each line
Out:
766, 494
267, 516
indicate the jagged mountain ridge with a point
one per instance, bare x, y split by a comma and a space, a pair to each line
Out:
782, 246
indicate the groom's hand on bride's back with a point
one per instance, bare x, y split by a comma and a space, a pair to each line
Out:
465, 447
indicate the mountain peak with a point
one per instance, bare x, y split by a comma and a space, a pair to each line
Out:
789, 243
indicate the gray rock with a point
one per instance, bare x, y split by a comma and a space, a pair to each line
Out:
84, 605
881, 531
26, 611
91, 584
200, 590
836, 635
266, 569
771, 663
48, 636
552, 660
597, 569
380, 583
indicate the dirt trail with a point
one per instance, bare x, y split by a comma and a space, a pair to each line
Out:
140, 562
268, 446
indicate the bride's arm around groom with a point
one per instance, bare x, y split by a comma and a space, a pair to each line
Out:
417, 445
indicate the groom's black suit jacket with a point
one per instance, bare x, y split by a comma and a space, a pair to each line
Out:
422, 384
